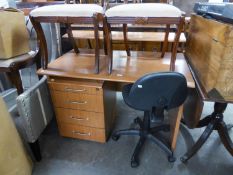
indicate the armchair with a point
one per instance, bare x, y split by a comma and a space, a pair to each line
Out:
31, 111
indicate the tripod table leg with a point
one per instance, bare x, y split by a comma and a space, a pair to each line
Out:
205, 135
224, 136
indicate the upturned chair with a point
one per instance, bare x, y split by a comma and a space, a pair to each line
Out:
67, 14
144, 14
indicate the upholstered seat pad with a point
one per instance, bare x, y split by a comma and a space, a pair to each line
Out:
70, 10
14, 61
144, 10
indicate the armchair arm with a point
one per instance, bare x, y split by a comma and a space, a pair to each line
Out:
35, 109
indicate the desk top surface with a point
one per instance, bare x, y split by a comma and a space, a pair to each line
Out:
125, 69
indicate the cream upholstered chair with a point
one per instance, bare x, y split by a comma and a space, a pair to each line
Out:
144, 14
67, 14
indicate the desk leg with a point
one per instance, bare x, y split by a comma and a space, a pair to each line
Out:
213, 122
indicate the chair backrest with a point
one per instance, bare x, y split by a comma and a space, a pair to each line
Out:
143, 14
164, 90
67, 14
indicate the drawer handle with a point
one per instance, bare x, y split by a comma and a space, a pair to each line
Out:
78, 118
81, 133
78, 102
74, 90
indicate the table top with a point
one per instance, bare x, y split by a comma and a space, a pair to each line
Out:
125, 69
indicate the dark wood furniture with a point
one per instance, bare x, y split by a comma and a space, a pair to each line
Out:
68, 21
12, 66
210, 68
145, 19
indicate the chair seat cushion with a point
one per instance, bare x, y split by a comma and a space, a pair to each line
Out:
21, 60
144, 10
71, 10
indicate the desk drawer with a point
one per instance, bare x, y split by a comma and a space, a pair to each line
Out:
85, 118
77, 101
80, 88
82, 132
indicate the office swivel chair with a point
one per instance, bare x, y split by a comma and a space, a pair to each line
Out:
153, 93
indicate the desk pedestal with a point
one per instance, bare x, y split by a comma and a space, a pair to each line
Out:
84, 108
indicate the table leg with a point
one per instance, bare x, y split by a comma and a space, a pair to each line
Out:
213, 122
224, 136
205, 135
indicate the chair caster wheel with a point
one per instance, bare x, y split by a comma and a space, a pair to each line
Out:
171, 159
134, 163
115, 137
184, 159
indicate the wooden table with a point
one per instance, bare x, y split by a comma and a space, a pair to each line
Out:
75, 73
125, 70
209, 56
214, 121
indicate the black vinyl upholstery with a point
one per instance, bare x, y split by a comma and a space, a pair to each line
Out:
157, 90
153, 93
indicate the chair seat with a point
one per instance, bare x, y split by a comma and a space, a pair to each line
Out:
18, 61
71, 10
144, 10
